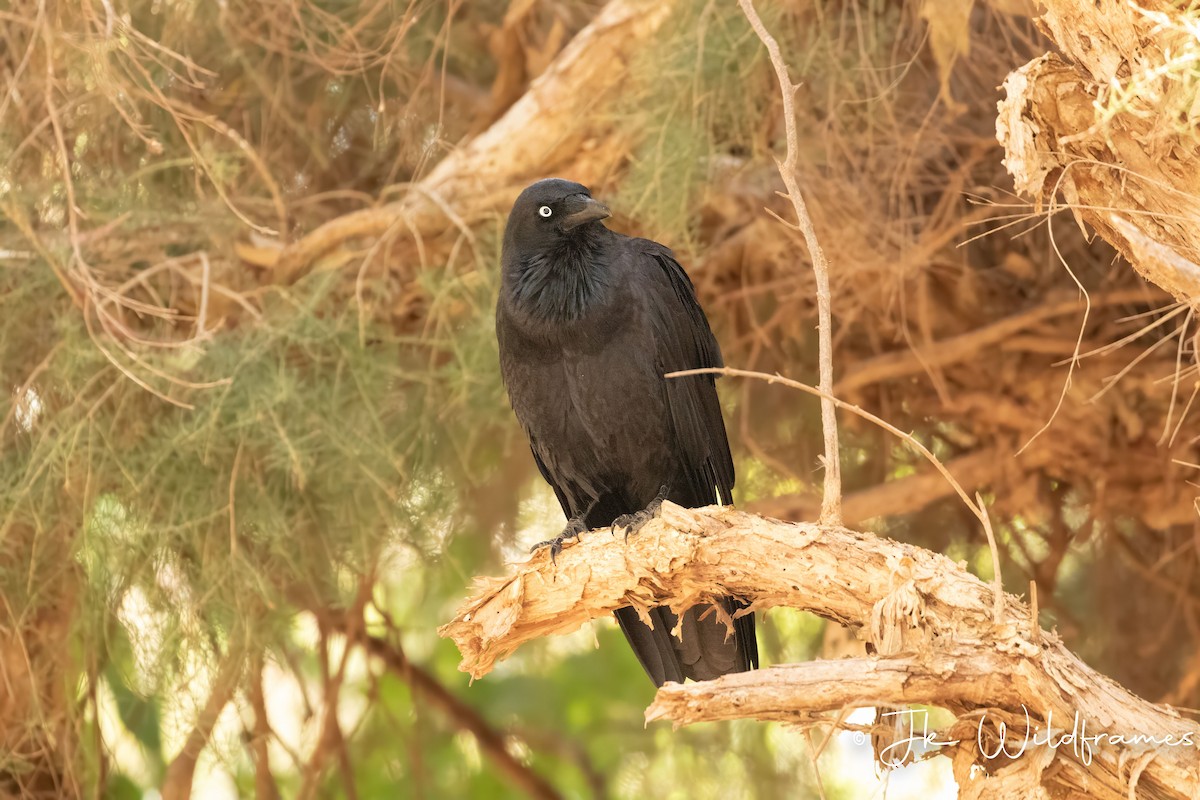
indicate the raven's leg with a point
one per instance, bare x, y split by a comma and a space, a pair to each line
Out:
574, 527
632, 523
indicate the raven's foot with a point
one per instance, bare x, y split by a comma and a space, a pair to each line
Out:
575, 527
632, 523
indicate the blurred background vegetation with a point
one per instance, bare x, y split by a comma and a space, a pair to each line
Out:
243, 480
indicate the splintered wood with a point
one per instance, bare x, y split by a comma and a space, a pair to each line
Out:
1111, 125
690, 556
930, 622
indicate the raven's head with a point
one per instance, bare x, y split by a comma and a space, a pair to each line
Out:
549, 215
555, 261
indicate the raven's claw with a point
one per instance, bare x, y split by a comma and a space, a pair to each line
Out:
632, 523
575, 527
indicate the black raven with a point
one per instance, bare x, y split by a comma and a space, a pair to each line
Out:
588, 322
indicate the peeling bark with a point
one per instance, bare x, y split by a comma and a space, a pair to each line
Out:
1109, 125
929, 620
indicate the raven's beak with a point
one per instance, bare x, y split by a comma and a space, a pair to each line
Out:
586, 210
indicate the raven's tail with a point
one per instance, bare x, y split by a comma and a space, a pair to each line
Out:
705, 650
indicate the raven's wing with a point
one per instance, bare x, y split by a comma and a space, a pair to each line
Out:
655, 648
568, 506
683, 341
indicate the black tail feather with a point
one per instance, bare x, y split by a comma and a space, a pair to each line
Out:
653, 647
705, 650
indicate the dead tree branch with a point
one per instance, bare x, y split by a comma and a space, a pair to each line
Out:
831, 498
548, 126
985, 688
961, 677
1099, 125
931, 622
690, 556
903, 363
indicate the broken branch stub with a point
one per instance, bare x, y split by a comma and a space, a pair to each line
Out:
1110, 125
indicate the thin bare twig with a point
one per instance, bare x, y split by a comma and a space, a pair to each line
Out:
831, 501
867, 415
977, 506
902, 495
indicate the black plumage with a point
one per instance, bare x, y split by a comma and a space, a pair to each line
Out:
588, 322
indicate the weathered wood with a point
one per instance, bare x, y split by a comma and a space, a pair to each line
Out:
1100, 124
930, 622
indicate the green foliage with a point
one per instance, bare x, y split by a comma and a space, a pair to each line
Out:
138, 714
121, 787
698, 99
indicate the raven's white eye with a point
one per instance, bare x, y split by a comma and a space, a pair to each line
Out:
545, 211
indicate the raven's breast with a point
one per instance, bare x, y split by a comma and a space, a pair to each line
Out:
594, 405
